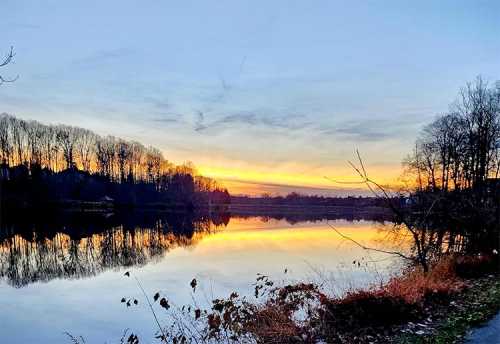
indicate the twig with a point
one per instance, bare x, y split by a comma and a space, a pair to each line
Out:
8, 59
151, 307
366, 247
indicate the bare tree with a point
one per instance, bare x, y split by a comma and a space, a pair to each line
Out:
416, 226
455, 162
34, 134
461, 149
66, 139
5, 143
137, 151
85, 147
18, 133
123, 155
105, 155
49, 148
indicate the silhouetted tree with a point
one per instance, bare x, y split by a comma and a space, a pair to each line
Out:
461, 149
69, 160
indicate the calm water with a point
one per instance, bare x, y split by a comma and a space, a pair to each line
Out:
69, 276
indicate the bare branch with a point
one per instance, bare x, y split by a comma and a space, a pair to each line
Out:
8, 59
369, 248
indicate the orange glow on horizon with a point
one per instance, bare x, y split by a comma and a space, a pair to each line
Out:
241, 180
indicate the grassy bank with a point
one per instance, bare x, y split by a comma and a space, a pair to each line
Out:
473, 307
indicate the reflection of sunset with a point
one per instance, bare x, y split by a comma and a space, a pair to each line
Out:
250, 234
243, 243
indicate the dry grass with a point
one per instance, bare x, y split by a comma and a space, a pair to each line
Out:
271, 325
414, 286
363, 314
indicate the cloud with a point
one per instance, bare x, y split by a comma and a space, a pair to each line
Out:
103, 56
256, 119
158, 103
166, 120
199, 126
365, 131
24, 26
242, 187
373, 129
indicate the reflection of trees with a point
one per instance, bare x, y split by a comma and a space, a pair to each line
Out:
425, 244
27, 260
41, 246
380, 215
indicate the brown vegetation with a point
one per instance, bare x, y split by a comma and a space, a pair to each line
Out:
303, 313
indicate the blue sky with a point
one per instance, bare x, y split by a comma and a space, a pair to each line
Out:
282, 90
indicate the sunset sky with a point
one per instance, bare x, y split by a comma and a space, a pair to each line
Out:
265, 96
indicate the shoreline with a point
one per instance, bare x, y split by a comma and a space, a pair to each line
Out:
414, 307
466, 312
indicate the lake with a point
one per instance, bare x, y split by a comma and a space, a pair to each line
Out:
66, 273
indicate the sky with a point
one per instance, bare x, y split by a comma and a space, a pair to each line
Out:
264, 96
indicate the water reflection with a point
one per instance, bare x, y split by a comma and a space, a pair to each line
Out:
40, 247
81, 245
65, 272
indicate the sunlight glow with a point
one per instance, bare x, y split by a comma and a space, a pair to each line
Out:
261, 180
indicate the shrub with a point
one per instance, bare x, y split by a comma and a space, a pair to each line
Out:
417, 287
476, 265
361, 309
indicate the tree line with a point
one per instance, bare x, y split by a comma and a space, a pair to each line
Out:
297, 199
461, 148
454, 205
60, 149
451, 204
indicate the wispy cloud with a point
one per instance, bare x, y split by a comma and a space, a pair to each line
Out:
256, 119
158, 103
373, 129
24, 26
199, 126
103, 56
256, 188
166, 120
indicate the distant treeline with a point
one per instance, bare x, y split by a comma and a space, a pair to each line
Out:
296, 199
44, 163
